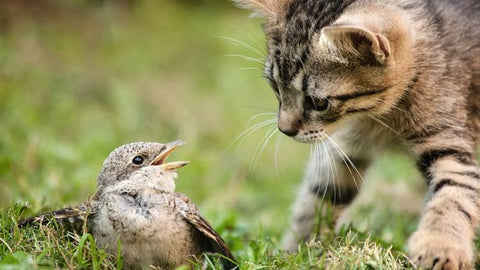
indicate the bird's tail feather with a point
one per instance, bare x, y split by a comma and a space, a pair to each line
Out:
73, 217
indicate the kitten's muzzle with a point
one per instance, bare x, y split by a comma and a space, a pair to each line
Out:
289, 125
161, 159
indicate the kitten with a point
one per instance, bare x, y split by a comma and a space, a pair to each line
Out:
373, 74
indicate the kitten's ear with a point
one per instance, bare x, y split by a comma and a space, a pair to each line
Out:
351, 41
269, 9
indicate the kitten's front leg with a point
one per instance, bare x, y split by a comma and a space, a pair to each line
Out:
444, 238
328, 180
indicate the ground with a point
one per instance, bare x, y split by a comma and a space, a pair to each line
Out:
78, 78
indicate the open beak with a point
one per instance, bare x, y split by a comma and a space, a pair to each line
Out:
161, 159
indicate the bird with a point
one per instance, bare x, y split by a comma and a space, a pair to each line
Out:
136, 204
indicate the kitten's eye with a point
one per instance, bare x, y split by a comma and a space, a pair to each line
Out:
137, 160
318, 104
322, 104
305, 83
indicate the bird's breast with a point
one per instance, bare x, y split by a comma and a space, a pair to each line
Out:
150, 230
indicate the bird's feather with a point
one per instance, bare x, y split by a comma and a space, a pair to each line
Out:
190, 212
74, 217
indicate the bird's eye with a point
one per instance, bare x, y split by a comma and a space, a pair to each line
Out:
137, 160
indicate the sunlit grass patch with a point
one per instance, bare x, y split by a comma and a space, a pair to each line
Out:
349, 250
47, 246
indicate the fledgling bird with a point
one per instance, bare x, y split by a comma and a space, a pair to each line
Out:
136, 203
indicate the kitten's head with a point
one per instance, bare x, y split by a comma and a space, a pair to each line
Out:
329, 61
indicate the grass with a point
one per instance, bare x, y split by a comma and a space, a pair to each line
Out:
78, 78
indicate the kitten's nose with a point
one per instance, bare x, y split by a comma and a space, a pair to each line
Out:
288, 132
289, 125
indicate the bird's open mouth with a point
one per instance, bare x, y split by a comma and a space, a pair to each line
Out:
161, 159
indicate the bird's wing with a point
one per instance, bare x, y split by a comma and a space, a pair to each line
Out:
192, 215
74, 216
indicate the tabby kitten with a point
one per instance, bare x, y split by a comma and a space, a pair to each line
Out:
376, 73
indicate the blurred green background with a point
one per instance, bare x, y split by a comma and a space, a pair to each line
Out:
79, 78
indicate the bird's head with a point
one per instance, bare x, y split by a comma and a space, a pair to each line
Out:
142, 161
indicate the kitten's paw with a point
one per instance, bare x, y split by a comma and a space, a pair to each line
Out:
290, 243
440, 251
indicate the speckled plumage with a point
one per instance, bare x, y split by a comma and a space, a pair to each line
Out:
136, 205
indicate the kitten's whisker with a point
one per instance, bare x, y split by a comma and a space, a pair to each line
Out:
313, 159
383, 124
331, 176
314, 163
316, 170
266, 123
335, 171
321, 173
243, 44
261, 147
249, 131
260, 47
326, 176
259, 115
394, 106
342, 153
249, 68
256, 108
348, 167
335, 167
276, 161
244, 57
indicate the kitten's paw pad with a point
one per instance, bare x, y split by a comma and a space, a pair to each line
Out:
435, 251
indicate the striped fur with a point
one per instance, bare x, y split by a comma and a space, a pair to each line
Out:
372, 72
